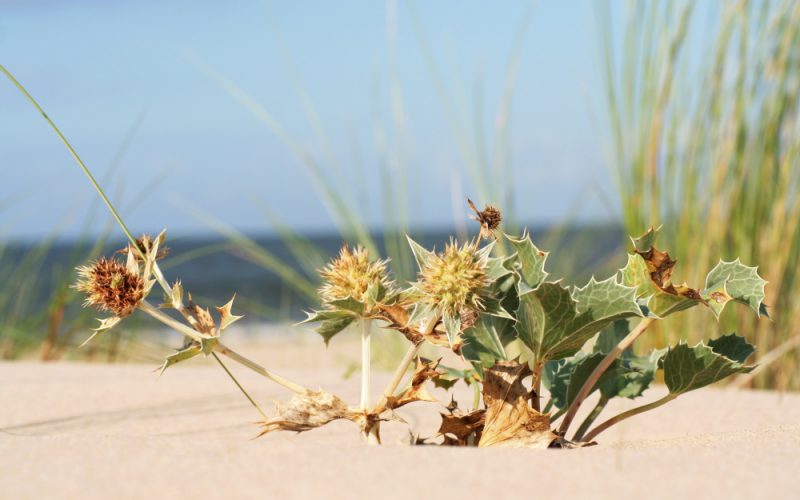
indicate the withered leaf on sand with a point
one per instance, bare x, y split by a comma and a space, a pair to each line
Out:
309, 410
424, 371
510, 421
312, 409
458, 427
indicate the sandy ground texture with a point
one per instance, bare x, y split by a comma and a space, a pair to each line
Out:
71, 430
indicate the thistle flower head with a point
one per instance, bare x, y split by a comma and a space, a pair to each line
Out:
109, 285
455, 279
352, 274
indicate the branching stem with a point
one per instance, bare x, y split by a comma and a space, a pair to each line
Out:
627, 414
222, 349
398, 374
599, 370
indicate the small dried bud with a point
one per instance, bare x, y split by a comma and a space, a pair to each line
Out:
351, 274
489, 218
455, 279
110, 286
145, 243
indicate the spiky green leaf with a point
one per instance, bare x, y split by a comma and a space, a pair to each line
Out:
187, 353
733, 281
689, 368
555, 323
531, 260
422, 255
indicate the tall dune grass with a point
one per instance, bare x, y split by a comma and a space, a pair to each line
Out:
703, 118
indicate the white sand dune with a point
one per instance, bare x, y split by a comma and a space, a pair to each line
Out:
120, 431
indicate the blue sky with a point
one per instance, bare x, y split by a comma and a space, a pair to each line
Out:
136, 74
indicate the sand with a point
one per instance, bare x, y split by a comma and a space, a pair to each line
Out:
73, 430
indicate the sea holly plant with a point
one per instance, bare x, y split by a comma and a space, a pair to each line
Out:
531, 348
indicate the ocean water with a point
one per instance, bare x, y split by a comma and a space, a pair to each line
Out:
213, 269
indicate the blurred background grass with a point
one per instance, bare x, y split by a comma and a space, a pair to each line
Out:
699, 120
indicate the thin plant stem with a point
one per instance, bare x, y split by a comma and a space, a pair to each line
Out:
249, 398
599, 370
299, 389
76, 158
176, 325
366, 355
601, 404
537, 385
627, 414
548, 406
398, 374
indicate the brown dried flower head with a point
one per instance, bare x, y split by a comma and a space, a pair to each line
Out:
145, 244
455, 279
489, 218
110, 286
352, 274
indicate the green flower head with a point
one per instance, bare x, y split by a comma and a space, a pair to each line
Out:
455, 280
353, 275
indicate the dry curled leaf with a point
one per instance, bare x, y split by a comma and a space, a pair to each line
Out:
309, 410
201, 318
460, 428
312, 409
660, 266
424, 371
510, 421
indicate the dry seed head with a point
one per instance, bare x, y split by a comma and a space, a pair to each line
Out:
351, 274
110, 286
489, 218
145, 243
455, 279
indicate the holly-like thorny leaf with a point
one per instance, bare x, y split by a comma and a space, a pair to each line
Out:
689, 368
531, 261
733, 281
330, 322
555, 323
482, 345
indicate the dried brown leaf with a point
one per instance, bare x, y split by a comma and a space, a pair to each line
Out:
313, 409
424, 371
308, 411
457, 427
201, 318
660, 266
510, 422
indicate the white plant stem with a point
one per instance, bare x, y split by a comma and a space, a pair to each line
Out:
366, 358
372, 436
